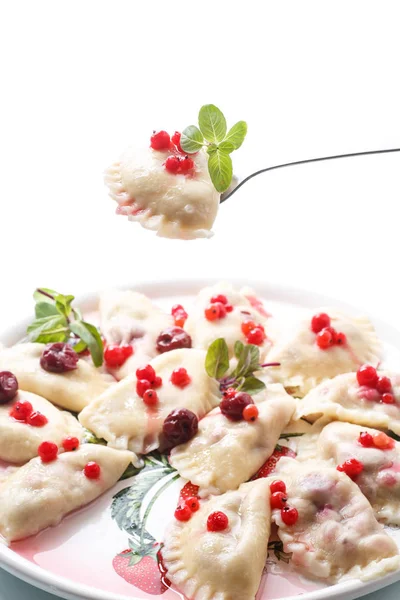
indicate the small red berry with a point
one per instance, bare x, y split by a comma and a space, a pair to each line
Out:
186, 165
352, 467
176, 139
183, 513
341, 339
150, 397
146, 372
212, 312
383, 441
366, 439
180, 315
277, 486
367, 375
193, 503
92, 470
384, 385
36, 419
324, 339
388, 399
157, 383
289, 515
217, 521
21, 410
228, 308
48, 451
320, 322
230, 393
180, 377
173, 164
278, 500
247, 326
8, 386
221, 298
115, 356
256, 336
142, 385
232, 407
250, 412
70, 443
160, 140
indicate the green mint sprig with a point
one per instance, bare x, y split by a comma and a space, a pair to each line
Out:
242, 376
58, 321
212, 133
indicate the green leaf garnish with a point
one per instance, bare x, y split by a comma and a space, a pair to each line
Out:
252, 385
217, 359
212, 134
58, 321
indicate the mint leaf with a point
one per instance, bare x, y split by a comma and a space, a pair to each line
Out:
236, 135
53, 328
226, 147
220, 170
212, 123
45, 309
191, 139
239, 346
248, 361
63, 304
89, 334
217, 359
44, 295
252, 385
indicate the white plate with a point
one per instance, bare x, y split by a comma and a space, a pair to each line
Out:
74, 560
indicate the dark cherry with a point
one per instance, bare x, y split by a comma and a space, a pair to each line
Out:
179, 427
232, 408
8, 386
173, 338
59, 358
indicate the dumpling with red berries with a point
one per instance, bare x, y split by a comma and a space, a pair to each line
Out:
319, 346
160, 404
220, 552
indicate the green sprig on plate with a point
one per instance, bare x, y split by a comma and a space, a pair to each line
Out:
212, 133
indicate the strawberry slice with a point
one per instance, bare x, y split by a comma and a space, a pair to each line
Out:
270, 465
188, 491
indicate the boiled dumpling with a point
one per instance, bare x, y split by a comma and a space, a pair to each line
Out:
223, 454
121, 417
225, 565
72, 390
128, 317
336, 535
304, 364
173, 205
39, 494
344, 399
19, 441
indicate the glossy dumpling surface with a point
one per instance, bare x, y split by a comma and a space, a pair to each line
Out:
380, 479
224, 454
72, 390
225, 565
121, 417
337, 534
45, 493
304, 364
343, 399
175, 206
19, 441
128, 317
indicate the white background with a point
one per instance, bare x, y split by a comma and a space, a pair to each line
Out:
80, 80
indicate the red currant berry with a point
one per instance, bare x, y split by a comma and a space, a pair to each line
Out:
384, 385
36, 419
176, 139
92, 470
324, 339
221, 298
247, 326
180, 377
173, 338
142, 386
250, 412
212, 312
233, 408
388, 399
173, 164
59, 358
277, 486
366, 439
289, 515
150, 397
160, 140
193, 503
256, 336
352, 467
157, 383
217, 521
183, 513
8, 386
48, 451
115, 356
179, 427
228, 308
383, 441
180, 315
21, 410
367, 375
70, 443
320, 322
186, 165
341, 339
146, 372
278, 500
